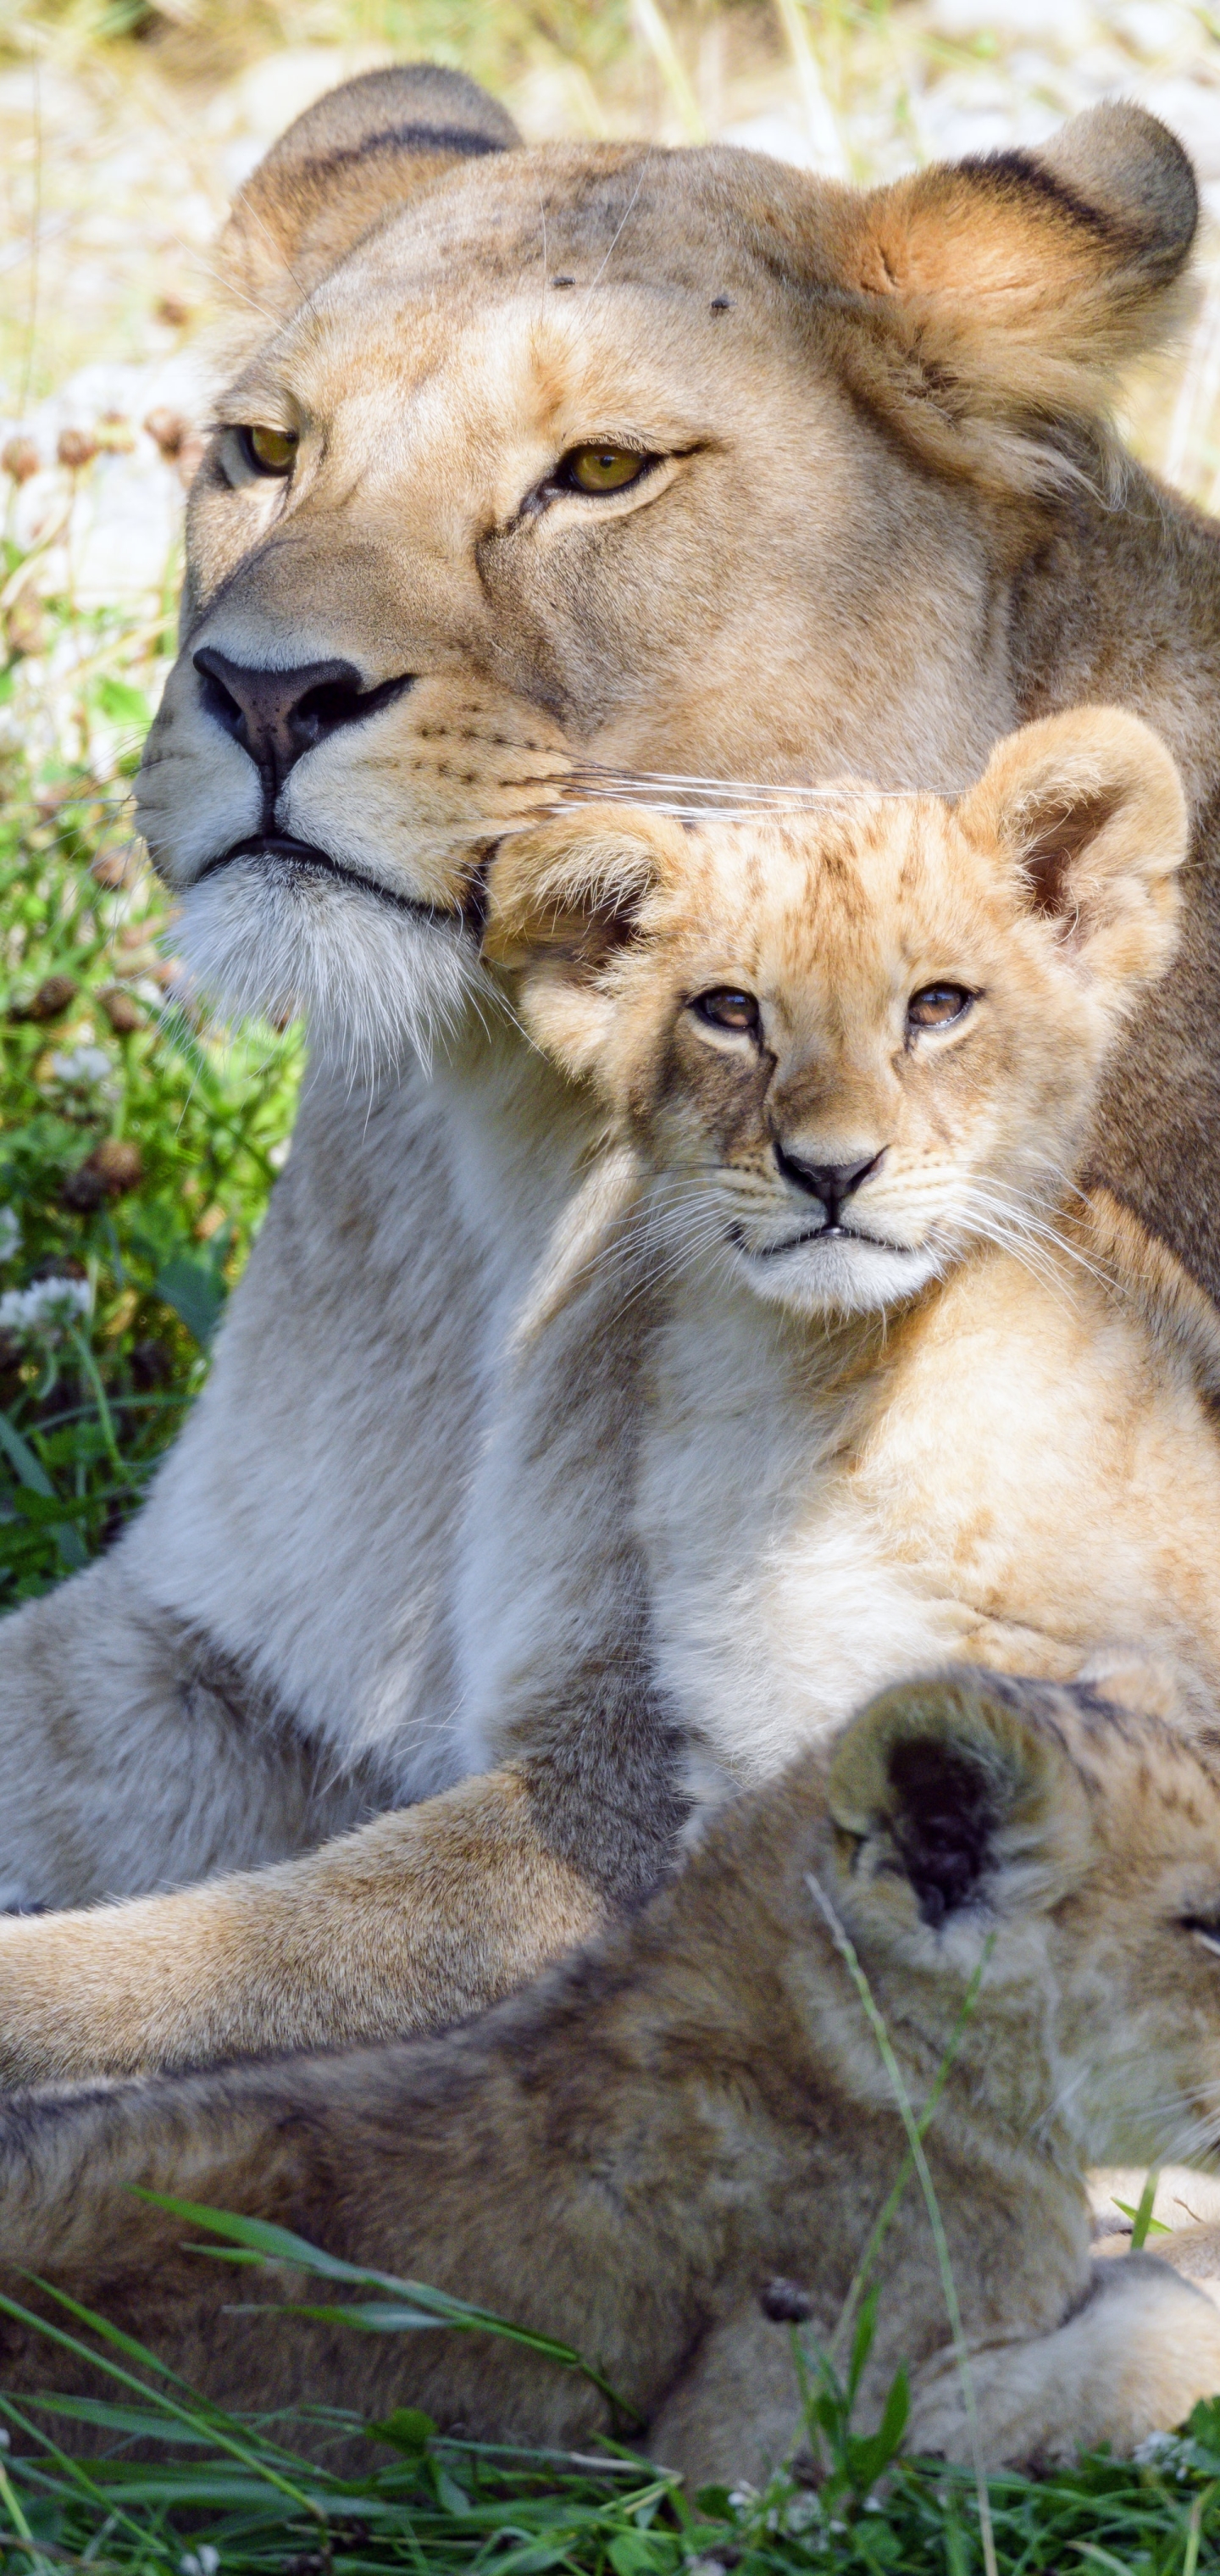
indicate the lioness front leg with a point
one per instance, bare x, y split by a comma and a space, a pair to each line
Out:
416, 1920
1140, 2352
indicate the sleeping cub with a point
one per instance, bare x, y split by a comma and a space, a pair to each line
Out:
916, 1394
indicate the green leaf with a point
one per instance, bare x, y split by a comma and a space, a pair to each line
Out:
21, 1456
869, 2456
409, 2298
862, 2344
640, 2553
197, 1293
121, 704
1144, 2224
714, 2503
37, 1501
408, 2428
453, 2497
373, 2316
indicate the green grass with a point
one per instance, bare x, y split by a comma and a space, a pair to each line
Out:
169, 2483
136, 1149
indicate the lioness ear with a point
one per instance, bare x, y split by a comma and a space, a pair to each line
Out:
1009, 291
956, 1794
562, 903
346, 164
1091, 808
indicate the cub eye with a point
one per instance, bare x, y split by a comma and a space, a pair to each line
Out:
937, 1006
723, 1008
269, 451
1206, 1933
601, 469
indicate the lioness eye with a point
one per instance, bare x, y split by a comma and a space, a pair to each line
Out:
269, 451
936, 1006
725, 1009
601, 469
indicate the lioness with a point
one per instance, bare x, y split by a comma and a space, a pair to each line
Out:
631, 2154
914, 1397
679, 460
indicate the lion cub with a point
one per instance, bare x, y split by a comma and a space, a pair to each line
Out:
684, 2136
916, 1394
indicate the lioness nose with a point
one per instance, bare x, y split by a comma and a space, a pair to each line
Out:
832, 1183
278, 715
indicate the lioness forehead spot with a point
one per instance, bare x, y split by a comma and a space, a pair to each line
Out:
713, 220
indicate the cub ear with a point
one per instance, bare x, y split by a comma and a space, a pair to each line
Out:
563, 901
957, 1796
348, 162
1090, 807
1009, 291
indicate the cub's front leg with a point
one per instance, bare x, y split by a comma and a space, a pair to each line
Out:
1134, 2358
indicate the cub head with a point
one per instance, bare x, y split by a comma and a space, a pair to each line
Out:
849, 1045
1070, 1851
673, 460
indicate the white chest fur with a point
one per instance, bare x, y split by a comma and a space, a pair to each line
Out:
777, 1606
1019, 1475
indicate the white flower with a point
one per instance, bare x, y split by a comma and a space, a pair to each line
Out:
1158, 2450
45, 1312
10, 1232
80, 1070
203, 2561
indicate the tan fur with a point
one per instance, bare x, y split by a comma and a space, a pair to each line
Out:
887, 517
627, 2156
930, 1419
456, 1893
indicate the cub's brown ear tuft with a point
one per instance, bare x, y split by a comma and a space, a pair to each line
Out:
1090, 807
562, 902
954, 1793
346, 164
1007, 293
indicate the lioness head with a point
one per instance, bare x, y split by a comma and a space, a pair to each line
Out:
851, 1043
678, 460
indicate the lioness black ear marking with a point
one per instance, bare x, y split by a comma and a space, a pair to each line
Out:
1006, 294
342, 167
1125, 166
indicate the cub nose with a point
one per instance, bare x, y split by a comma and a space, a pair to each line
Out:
832, 1183
278, 715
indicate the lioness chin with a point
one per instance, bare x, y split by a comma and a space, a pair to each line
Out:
689, 2133
682, 461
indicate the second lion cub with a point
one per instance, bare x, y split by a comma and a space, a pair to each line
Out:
917, 1393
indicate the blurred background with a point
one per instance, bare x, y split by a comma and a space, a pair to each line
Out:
137, 1144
